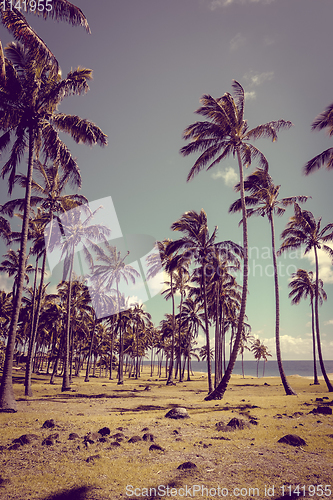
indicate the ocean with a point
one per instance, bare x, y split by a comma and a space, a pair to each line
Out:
302, 368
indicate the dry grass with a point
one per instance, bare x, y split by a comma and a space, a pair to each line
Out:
249, 458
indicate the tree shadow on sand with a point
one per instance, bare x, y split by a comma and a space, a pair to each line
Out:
71, 494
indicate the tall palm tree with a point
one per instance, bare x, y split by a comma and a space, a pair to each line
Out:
264, 200
260, 351
112, 272
303, 286
197, 244
191, 318
227, 133
304, 230
156, 261
324, 120
29, 95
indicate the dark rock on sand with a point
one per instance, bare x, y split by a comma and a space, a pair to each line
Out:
148, 437
92, 458
105, 431
177, 413
292, 439
48, 424
25, 439
154, 447
134, 439
73, 436
187, 465
324, 410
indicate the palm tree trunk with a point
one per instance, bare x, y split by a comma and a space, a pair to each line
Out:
288, 390
172, 354
315, 375
28, 370
7, 399
322, 366
65, 381
221, 388
90, 350
209, 364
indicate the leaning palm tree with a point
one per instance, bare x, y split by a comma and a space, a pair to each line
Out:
263, 200
303, 286
227, 133
304, 230
324, 120
30, 93
16, 23
199, 245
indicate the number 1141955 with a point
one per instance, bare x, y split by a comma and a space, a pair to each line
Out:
27, 5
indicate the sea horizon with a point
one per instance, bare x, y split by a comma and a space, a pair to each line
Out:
302, 368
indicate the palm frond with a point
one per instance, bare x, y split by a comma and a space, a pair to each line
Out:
325, 119
239, 99
326, 157
81, 130
62, 10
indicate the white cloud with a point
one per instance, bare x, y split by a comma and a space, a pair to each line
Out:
215, 4
229, 176
259, 78
237, 41
325, 264
250, 95
6, 284
329, 322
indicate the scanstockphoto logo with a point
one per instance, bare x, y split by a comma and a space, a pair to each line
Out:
119, 270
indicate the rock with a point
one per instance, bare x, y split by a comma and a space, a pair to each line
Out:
324, 410
25, 439
92, 458
48, 424
48, 442
145, 429
148, 437
73, 436
92, 437
187, 465
147, 388
119, 436
114, 443
134, 439
177, 413
14, 446
105, 431
54, 436
292, 439
154, 447
233, 424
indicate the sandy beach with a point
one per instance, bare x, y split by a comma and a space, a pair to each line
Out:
248, 462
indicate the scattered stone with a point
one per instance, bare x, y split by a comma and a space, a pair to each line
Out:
232, 425
187, 465
267, 384
114, 443
147, 388
105, 431
330, 435
134, 439
73, 436
154, 447
48, 442
253, 421
119, 436
148, 437
324, 410
177, 413
92, 437
145, 429
25, 439
54, 436
292, 439
297, 414
319, 399
92, 458
48, 424
14, 446
175, 432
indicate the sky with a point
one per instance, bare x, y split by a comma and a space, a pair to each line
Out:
152, 60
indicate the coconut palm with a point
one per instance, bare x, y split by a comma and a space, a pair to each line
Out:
30, 92
227, 133
198, 244
324, 120
260, 351
263, 200
5, 230
18, 26
156, 261
303, 286
304, 230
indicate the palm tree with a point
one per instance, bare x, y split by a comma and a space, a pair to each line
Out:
191, 318
198, 244
76, 232
18, 26
5, 230
163, 259
260, 351
304, 229
29, 95
324, 120
303, 286
10, 265
112, 272
227, 133
264, 200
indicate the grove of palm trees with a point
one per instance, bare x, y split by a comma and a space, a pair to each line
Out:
101, 339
